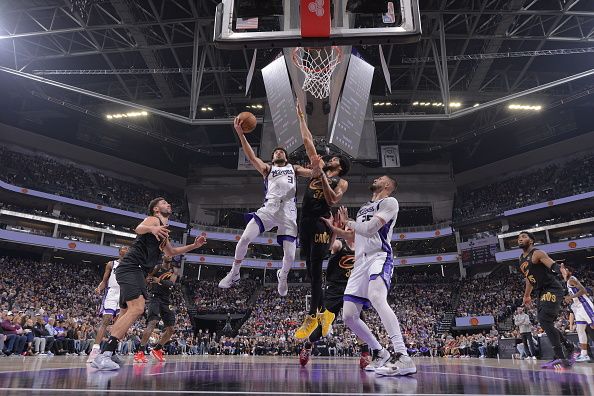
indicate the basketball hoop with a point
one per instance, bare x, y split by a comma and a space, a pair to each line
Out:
317, 64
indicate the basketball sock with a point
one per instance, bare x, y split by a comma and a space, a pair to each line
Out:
288, 256
111, 345
351, 316
379, 299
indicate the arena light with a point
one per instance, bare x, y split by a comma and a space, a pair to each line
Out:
476, 105
514, 106
132, 114
206, 108
455, 104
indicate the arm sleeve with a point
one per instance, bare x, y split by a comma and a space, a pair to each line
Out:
367, 228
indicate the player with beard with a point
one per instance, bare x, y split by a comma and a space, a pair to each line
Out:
324, 190
542, 276
279, 210
371, 277
143, 255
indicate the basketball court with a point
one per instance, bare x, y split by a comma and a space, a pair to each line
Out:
243, 375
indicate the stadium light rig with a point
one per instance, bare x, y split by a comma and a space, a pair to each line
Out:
132, 114
524, 107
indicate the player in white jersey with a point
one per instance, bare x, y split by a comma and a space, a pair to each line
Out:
110, 306
279, 210
583, 310
370, 278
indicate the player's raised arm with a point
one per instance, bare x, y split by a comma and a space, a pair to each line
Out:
306, 135
256, 162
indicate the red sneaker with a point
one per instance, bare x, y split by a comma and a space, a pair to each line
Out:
304, 356
158, 354
140, 358
364, 360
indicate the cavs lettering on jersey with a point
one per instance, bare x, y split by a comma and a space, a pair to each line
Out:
387, 210
112, 282
280, 183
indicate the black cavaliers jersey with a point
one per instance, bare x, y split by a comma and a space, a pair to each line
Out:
145, 252
541, 277
161, 291
314, 203
340, 265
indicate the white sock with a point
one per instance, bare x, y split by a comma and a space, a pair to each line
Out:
584, 352
235, 268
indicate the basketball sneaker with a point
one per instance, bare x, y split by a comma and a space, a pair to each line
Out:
94, 353
380, 358
230, 280
140, 358
309, 325
557, 364
364, 360
325, 320
158, 354
103, 362
399, 365
283, 286
582, 359
304, 356
118, 360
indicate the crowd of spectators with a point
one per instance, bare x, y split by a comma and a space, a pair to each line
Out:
488, 296
60, 177
51, 308
553, 181
209, 298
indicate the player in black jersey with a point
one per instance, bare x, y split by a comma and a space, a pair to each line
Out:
542, 276
161, 281
145, 253
339, 269
322, 192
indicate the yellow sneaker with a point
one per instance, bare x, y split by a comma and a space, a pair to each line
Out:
309, 325
325, 320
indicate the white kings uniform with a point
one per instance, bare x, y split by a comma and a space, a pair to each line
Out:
111, 300
373, 255
582, 307
279, 208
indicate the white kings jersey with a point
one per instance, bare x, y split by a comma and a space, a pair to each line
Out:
280, 183
584, 300
387, 209
112, 282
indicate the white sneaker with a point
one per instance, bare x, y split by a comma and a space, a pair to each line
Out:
104, 363
283, 286
94, 353
380, 358
399, 365
230, 280
582, 358
533, 357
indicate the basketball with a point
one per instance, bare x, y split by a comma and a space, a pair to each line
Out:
249, 121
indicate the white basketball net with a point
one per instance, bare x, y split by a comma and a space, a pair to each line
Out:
317, 64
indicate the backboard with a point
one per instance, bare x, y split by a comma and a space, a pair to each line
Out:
352, 22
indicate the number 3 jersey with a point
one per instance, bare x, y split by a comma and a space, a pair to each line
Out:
379, 242
280, 183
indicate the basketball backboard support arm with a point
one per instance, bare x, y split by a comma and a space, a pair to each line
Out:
409, 31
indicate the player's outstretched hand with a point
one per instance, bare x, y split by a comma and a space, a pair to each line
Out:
199, 241
330, 222
527, 301
160, 232
342, 216
237, 126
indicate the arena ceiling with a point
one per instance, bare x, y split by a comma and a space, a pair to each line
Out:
144, 52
